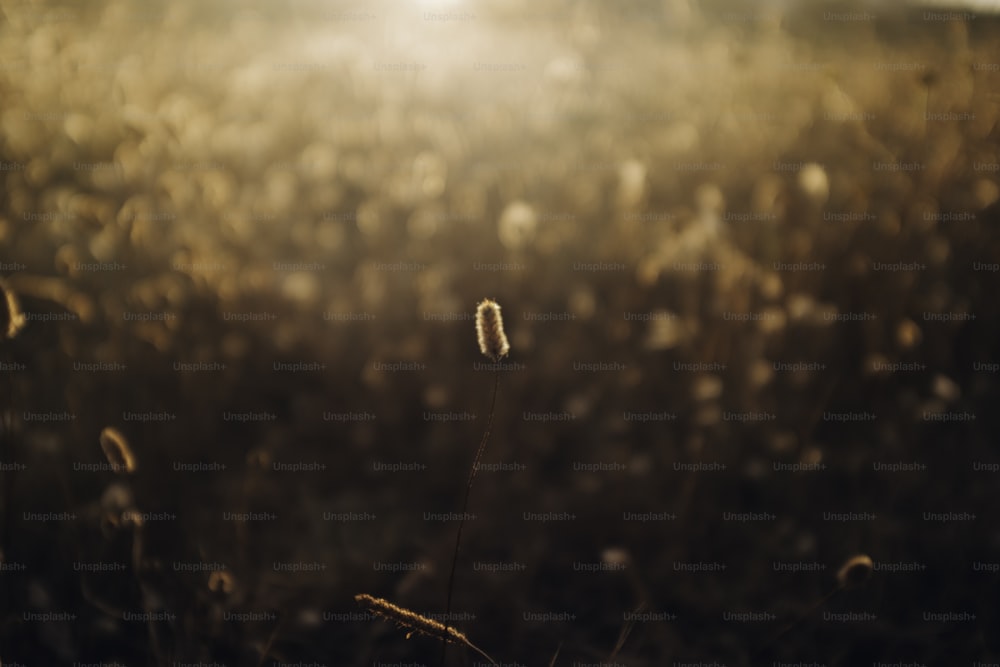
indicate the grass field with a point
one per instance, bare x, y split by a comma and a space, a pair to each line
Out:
748, 262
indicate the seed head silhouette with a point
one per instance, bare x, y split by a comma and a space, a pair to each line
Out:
13, 319
489, 330
855, 571
117, 450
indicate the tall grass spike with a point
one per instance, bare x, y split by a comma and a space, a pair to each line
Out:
416, 623
489, 330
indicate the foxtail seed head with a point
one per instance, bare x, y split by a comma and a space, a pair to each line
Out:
855, 571
489, 330
416, 623
117, 451
13, 318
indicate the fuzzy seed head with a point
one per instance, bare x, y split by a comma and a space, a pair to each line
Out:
855, 571
14, 319
489, 330
117, 451
416, 623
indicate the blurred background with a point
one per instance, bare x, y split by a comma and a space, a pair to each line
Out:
747, 255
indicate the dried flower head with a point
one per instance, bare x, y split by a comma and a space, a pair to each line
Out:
489, 330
